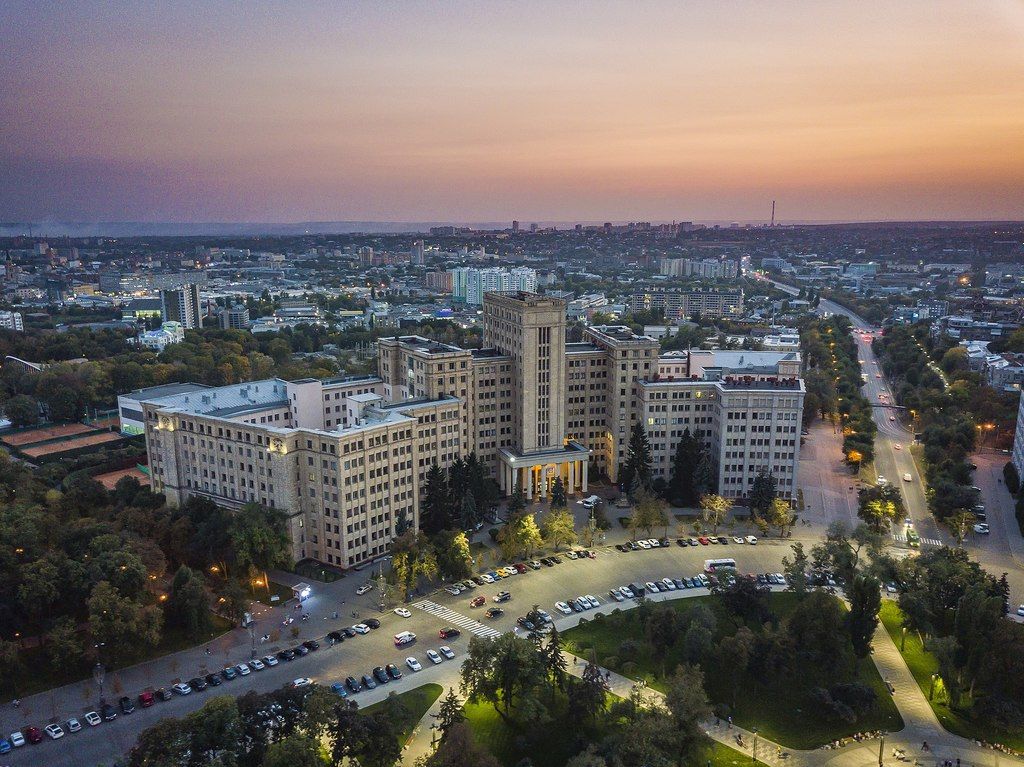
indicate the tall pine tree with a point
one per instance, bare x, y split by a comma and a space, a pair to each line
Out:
680, 483
435, 510
636, 474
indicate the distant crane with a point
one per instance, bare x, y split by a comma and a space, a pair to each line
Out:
773, 213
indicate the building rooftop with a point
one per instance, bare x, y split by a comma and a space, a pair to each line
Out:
165, 390
619, 334
225, 400
419, 343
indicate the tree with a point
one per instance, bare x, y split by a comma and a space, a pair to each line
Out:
558, 494
469, 515
745, 598
559, 527
412, 560
260, 538
637, 469
22, 411
687, 703
520, 537
661, 632
516, 502
762, 493
649, 512
865, 596
713, 510
555, 664
959, 522
454, 557
780, 515
435, 504
587, 697
680, 483
704, 475
294, 751
450, 713
187, 604
164, 744
796, 570
459, 749
121, 623
508, 673
64, 646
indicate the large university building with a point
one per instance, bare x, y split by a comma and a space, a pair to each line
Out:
347, 457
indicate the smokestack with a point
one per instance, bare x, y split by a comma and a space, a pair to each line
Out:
773, 213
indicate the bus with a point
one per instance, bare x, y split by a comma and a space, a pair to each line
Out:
714, 565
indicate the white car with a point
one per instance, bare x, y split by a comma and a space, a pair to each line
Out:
626, 591
907, 477
590, 502
453, 590
897, 446
413, 664
74, 725
181, 688
881, 480
669, 584
92, 719
302, 681
401, 611
1020, 611
738, 539
643, 544
981, 528
364, 588
257, 665
616, 595
752, 540
446, 651
243, 669
17, 739
270, 660
592, 601
361, 628
651, 588
563, 608
486, 578
434, 657
54, 731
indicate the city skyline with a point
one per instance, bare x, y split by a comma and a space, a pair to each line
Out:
535, 111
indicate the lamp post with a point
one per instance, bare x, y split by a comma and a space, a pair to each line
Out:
881, 749
99, 673
252, 638
753, 752
382, 585
903, 640
433, 735
931, 688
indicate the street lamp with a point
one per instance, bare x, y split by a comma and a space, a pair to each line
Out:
99, 673
753, 752
931, 688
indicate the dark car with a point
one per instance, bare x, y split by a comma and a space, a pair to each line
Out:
393, 671
373, 623
546, 561
556, 560
723, 540
108, 712
33, 735
198, 684
214, 680
449, 632
286, 655
348, 631
301, 650
311, 644
494, 612
502, 596
380, 675
352, 684
526, 624
162, 693
369, 682
127, 707
229, 673
335, 637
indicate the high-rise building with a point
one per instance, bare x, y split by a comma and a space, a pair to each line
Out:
233, 317
470, 285
12, 321
417, 256
182, 305
347, 457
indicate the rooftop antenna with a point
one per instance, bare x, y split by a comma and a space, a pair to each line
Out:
773, 214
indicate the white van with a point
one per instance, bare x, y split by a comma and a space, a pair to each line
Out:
406, 637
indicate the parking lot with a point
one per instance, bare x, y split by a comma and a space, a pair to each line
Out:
359, 655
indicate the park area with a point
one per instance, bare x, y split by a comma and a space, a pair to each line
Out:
51, 443
787, 672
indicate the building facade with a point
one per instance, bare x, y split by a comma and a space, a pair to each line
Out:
346, 458
182, 305
685, 303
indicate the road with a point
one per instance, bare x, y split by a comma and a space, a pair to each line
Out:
1000, 551
102, 745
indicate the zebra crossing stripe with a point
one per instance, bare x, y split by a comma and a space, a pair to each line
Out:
929, 541
457, 619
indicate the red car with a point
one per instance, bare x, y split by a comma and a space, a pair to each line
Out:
704, 540
520, 567
477, 601
33, 735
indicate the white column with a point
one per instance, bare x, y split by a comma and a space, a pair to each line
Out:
584, 475
571, 489
542, 476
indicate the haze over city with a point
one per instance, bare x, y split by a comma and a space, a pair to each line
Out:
469, 112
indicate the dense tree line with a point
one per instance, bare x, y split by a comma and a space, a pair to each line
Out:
81, 566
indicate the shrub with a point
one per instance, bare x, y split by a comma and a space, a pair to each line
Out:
493, 532
629, 648
1011, 478
612, 662
629, 668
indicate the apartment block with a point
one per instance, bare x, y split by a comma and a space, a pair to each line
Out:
685, 303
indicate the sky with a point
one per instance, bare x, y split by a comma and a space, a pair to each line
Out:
194, 111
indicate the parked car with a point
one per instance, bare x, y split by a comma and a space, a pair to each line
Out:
752, 540
477, 601
353, 684
270, 660
74, 725
494, 612
434, 657
302, 681
255, 664
403, 612
93, 719
368, 682
373, 623
214, 680
502, 596
181, 688
286, 655
146, 699
563, 607
364, 588
54, 731
229, 673
197, 683
446, 651
338, 688
335, 637
17, 739
361, 628
108, 712
311, 644
5, 746
300, 651
448, 632
393, 671
33, 735
413, 664
162, 693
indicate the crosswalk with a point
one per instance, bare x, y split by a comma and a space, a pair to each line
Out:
930, 541
456, 619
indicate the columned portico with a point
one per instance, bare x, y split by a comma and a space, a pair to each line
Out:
536, 472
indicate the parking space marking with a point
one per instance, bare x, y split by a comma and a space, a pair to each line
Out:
457, 619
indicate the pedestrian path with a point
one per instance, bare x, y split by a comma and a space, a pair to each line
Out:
456, 619
928, 541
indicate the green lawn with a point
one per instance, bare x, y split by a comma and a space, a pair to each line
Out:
776, 710
37, 674
922, 665
418, 700
550, 747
